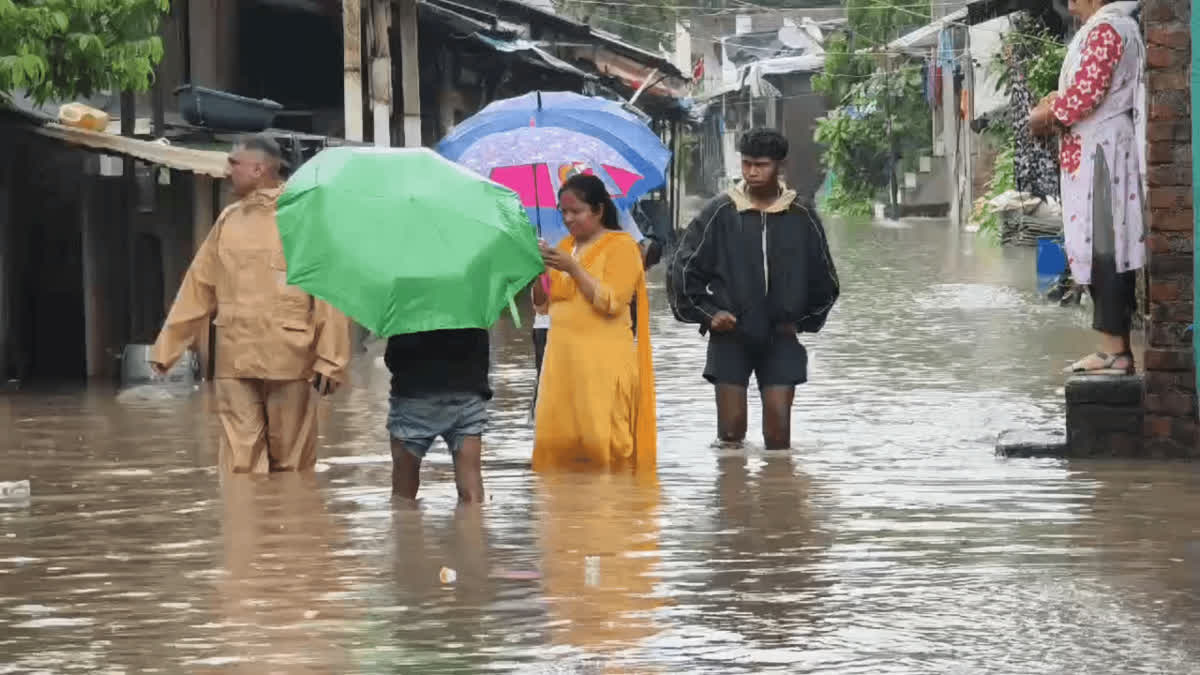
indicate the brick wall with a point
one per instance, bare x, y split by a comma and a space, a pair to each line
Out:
1170, 421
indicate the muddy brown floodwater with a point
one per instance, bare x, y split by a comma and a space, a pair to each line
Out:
890, 540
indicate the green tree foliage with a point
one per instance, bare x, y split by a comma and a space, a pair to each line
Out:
879, 99
883, 112
64, 49
870, 25
1033, 50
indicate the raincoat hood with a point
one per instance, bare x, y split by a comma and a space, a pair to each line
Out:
742, 202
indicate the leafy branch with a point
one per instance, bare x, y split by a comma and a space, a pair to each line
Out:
64, 49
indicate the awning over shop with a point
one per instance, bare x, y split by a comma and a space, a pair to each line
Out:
203, 162
534, 52
470, 21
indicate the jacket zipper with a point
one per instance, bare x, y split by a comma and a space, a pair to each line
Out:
766, 265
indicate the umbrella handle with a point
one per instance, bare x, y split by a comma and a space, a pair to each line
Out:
512, 309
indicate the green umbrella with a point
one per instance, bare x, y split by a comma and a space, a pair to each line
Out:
404, 241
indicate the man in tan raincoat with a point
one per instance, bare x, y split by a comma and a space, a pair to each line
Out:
278, 349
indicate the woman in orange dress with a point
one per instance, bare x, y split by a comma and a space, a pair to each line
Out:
595, 406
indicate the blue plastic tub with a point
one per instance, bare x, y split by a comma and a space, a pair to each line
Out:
1051, 257
1051, 261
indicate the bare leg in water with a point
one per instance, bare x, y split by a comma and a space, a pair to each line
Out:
406, 471
731, 413
468, 472
777, 417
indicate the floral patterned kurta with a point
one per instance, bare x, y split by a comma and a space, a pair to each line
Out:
1101, 102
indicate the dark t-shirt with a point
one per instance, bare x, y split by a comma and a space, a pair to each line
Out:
440, 362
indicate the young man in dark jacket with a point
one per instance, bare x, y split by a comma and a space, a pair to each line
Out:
754, 270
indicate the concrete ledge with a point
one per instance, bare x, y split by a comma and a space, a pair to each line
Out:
1023, 443
1117, 390
1105, 416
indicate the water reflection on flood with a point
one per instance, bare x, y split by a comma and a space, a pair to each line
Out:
889, 541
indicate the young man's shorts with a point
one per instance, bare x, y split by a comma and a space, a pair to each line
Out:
781, 362
418, 421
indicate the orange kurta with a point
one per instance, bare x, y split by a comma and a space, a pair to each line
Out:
596, 404
599, 539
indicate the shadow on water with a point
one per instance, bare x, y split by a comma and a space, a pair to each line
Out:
890, 540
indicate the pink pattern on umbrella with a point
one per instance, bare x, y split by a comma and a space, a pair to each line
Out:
530, 182
624, 179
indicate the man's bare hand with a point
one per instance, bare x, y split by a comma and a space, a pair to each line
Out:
325, 386
723, 322
158, 369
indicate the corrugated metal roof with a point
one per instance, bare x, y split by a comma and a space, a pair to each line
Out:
926, 37
204, 162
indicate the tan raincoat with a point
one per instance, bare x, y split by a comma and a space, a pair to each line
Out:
271, 339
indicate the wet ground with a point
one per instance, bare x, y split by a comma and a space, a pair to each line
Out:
890, 540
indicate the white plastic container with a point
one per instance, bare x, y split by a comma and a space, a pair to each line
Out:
83, 117
14, 491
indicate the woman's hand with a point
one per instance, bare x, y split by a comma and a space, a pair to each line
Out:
1041, 119
556, 259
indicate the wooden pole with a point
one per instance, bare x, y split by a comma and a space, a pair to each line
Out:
381, 71
159, 111
94, 269
950, 139
410, 74
968, 134
203, 215
130, 208
352, 68
7, 255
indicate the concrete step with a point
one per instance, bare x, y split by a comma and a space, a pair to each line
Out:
1023, 443
1105, 415
1105, 419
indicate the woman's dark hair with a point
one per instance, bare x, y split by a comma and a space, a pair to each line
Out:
592, 192
763, 143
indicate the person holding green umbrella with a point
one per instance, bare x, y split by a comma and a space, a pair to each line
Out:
439, 388
428, 254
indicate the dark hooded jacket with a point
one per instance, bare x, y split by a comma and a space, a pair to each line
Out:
766, 267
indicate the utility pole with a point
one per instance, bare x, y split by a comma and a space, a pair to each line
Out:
949, 119
410, 72
893, 206
381, 71
352, 68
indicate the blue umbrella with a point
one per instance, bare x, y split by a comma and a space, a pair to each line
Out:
532, 143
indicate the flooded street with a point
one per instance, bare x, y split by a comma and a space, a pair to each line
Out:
890, 540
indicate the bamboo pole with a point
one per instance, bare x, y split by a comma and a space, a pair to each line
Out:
203, 215
410, 73
352, 68
381, 71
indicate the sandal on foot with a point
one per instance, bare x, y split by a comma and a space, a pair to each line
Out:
1105, 364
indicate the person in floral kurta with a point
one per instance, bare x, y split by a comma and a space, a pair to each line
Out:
1099, 111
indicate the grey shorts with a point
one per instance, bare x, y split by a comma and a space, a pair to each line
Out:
418, 421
